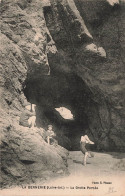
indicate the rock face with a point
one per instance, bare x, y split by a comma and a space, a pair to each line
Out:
26, 28
23, 53
60, 53
95, 55
89, 39
26, 157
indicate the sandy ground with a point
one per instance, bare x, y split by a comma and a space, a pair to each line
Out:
103, 175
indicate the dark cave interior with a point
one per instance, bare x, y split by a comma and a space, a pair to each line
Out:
61, 90
65, 87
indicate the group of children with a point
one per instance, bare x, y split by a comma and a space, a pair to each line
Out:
50, 135
28, 119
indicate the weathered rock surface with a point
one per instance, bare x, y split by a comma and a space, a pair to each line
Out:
26, 157
23, 23
60, 53
99, 61
23, 53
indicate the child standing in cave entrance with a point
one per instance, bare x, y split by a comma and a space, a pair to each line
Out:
83, 141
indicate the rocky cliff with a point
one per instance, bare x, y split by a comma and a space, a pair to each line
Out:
23, 53
60, 53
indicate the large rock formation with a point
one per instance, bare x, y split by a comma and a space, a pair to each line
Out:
23, 53
60, 53
27, 158
89, 36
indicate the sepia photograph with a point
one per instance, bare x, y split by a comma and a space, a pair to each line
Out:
62, 97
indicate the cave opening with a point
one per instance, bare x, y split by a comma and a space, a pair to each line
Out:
52, 92
65, 113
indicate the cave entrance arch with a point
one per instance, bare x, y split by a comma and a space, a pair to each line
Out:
57, 91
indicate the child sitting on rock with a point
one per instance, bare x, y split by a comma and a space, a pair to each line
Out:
50, 135
28, 117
